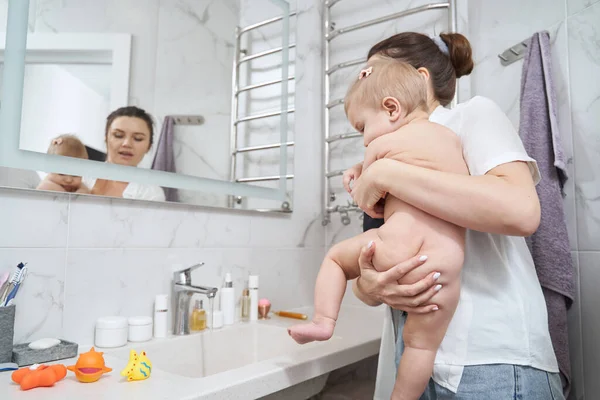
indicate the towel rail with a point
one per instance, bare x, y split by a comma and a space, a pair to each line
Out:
239, 59
261, 24
345, 64
263, 147
263, 54
343, 136
263, 84
261, 116
264, 178
328, 103
433, 6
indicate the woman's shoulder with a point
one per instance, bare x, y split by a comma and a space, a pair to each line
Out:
479, 104
140, 191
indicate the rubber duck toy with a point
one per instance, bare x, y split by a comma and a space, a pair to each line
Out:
89, 366
138, 368
39, 376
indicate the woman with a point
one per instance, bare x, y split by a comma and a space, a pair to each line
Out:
129, 135
497, 345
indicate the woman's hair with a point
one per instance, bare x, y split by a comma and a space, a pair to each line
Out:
68, 146
133, 112
421, 51
387, 77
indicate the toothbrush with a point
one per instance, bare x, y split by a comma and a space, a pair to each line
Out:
4, 281
13, 286
17, 281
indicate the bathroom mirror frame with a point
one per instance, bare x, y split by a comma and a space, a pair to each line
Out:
11, 97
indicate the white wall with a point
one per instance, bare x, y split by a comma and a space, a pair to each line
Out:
56, 102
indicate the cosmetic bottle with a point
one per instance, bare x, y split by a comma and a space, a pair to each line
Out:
253, 289
228, 300
198, 318
245, 305
161, 308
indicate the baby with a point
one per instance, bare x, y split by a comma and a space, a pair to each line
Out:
68, 146
387, 104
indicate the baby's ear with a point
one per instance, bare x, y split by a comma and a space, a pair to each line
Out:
392, 106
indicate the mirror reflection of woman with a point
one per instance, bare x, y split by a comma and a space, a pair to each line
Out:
129, 135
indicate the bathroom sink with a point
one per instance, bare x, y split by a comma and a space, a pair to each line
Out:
208, 353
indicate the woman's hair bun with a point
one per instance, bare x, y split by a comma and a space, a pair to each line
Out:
460, 53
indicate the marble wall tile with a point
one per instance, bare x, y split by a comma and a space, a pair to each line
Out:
33, 219
139, 18
125, 224
589, 269
40, 300
575, 342
584, 55
193, 76
110, 282
576, 6
496, 26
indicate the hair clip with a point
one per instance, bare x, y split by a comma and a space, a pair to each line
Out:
365, 72
58, 141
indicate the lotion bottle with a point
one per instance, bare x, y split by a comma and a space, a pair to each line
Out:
228, 300
161, 308
245, 305
253, 289
198, 318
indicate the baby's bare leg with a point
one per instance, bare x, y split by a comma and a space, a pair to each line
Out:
340, 265
422, 335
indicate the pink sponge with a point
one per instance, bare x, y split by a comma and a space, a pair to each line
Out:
264, 302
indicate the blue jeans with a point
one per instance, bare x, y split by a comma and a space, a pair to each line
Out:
492, 381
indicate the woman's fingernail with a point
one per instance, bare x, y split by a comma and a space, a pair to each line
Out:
435, 308
436, 276
437, 288
370, 244
423, 258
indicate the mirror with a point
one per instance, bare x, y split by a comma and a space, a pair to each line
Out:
180, 101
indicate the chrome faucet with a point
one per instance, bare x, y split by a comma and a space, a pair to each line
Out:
183, 290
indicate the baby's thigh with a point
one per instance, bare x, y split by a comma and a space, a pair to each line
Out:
395, 245
426, 331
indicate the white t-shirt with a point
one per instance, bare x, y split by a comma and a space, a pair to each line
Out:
501, 316
135, 191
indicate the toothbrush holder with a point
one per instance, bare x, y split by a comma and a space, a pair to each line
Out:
7, 327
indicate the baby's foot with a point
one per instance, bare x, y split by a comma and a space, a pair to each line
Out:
319, 329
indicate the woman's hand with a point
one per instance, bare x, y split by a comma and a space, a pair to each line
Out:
367, 191
352, 174
373, 287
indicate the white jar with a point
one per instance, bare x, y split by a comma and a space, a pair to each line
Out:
140, 329
111, 332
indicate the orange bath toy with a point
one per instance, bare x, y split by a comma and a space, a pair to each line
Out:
39, 376
89, 366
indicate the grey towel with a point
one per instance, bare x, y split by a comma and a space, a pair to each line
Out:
164, 159
550, 244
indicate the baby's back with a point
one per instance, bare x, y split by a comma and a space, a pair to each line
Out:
407, 229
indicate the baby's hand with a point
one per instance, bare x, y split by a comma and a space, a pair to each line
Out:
352, 174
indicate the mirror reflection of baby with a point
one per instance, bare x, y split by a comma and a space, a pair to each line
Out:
68, 146
387, 104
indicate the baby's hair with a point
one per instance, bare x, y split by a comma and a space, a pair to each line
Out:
387, 77
69, 146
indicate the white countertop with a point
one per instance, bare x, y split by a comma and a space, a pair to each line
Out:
357, 336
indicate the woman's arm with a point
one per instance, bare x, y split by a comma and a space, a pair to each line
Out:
502, 201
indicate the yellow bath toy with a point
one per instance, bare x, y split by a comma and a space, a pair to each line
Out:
138, 368
89, 366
